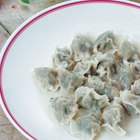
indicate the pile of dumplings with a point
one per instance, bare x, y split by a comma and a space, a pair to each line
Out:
97, 83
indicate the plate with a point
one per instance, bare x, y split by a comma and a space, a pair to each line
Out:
33, 44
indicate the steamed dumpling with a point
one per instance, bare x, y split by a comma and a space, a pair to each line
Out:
86, 124
102, 88
113, 116
64, 108
125, 78
83, 68
136, 87
136, 69
128, 50
81, 47
69, 81
87, 98
104, 42
63, 59
46, 78
104, 64
131, 102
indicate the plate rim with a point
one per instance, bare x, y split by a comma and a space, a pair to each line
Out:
22, 28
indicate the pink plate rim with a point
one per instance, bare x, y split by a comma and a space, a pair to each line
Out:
19, 31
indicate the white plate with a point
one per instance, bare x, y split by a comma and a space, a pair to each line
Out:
33, 44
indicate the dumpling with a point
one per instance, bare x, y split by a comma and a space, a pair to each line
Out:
63, 59
82, 68
86, 124
128, 50
104, 42
125, 78
64, 108
113, 62
102, 88
94, 57
83, 97
46, 78
131, 102
113, 116
81, 47
136, 87
101, 71
89, 65
69, 81
135, 67
104, 64
87, 98
99, 63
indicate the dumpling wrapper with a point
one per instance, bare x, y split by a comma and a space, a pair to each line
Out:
131, 102
63, 59
64, 108
81, 68
128, 50
104, 42
136, 87
46, 78
102, 88
113, 116
69, 81
125, 78
86, 124
87, 98
81, 47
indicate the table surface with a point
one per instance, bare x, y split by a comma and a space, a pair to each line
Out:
12, 14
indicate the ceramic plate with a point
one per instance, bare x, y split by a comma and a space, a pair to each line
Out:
33, 44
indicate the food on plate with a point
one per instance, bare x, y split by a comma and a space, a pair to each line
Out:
96, 82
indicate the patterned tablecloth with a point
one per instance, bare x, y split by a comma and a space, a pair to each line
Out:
12, 14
